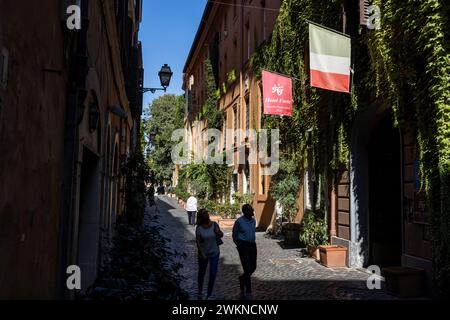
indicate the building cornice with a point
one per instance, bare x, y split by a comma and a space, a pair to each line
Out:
201, 35
114, 50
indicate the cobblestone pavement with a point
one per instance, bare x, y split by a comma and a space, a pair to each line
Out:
282, 274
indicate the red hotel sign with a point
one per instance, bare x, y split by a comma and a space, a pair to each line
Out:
277, 93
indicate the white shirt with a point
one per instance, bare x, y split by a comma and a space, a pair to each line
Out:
191, 204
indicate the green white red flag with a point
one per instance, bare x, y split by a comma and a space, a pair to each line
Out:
330, 58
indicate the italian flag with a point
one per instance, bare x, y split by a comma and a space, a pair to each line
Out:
330, 55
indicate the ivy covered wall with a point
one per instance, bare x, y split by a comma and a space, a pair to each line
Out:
405, 66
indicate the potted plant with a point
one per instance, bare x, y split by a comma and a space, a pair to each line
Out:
212, 207
333, 256
314, 233
286, 192
284, 188
228, 214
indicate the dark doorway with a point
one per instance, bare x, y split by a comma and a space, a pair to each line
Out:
385, 229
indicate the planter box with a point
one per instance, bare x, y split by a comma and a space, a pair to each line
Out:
291, 232
226, 223
405, 282
313, 252
333, 256
214, 218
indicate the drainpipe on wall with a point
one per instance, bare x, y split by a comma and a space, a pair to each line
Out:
333, 210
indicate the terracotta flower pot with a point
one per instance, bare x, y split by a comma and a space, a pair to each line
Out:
333, 256
313, 252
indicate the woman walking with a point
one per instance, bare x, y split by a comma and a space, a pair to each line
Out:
208, 236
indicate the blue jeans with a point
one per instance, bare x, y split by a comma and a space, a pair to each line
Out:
202, 266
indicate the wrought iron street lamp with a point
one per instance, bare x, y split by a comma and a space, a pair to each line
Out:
165, 75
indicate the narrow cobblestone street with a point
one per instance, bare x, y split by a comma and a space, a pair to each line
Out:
282, 274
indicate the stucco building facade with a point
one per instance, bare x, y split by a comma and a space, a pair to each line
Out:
377, 207
70, 110
229, 34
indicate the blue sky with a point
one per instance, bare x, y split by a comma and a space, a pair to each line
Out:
167, 31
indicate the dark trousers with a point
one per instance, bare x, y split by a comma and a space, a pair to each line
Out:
247, 253
191, 217
202, 266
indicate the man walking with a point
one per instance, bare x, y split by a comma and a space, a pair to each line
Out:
191, 208
244, 236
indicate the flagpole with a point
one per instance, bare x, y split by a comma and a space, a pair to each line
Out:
281, 74
353, 77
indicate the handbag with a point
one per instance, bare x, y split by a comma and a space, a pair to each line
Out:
218, 237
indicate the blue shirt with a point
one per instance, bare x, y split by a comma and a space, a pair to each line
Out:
244, 229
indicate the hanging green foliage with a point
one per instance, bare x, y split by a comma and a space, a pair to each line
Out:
211, 112
231, 77
207, 181
412, 52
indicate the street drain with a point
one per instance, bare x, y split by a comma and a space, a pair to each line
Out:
284, 261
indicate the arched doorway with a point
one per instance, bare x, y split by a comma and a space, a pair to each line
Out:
385, 219
376, 227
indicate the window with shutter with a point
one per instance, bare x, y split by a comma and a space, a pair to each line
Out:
363, 12
3, 76
3, 67
225, 127
247, 112
235, 124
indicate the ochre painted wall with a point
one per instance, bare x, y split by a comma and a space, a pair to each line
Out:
31, 148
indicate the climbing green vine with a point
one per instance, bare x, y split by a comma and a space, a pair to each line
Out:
207, 181
404, 66
212, 113
413, 68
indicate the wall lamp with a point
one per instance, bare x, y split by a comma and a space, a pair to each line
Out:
165, 75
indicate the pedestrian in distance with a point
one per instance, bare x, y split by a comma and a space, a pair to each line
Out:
151, 196
191, 208
244, 236
209, 238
